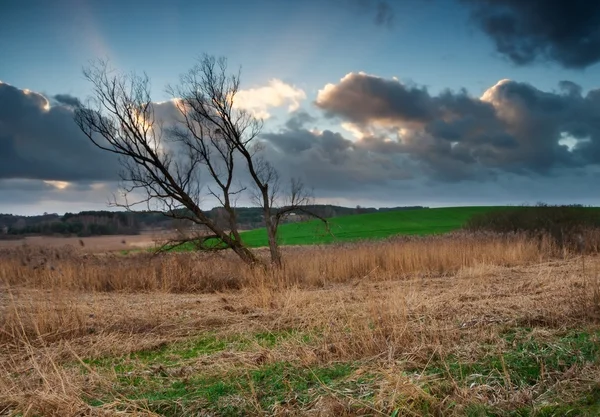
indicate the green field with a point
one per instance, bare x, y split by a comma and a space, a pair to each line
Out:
369, 226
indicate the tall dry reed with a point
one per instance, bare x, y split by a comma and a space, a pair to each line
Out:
304, 266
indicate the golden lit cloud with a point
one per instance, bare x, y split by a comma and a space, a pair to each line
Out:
45, 102
490, 94
326, 92
60, 185
259, 100
355, 130
98, 186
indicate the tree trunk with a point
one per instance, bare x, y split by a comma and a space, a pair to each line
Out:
246, 254
242, 251
273, 245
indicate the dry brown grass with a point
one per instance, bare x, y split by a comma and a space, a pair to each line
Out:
393, 307
67, 269
91, 244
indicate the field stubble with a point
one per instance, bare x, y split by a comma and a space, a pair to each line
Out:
92, 244
448, 325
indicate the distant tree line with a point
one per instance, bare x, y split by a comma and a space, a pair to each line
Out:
99, 223
87, 223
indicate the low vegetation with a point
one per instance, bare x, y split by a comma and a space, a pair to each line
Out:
474, 324
567, 225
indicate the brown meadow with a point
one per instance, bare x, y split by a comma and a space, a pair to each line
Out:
396, 316
92, 244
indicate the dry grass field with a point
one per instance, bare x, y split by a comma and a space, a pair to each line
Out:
90, 244
450, 325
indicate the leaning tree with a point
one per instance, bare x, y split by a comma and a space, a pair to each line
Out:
211, 149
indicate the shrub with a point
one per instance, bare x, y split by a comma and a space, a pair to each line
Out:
570, 227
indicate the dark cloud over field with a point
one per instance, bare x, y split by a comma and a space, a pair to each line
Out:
526, 31
27, 196
330, 162
40, 140
384, 13
366, 139
67, 100
513, 127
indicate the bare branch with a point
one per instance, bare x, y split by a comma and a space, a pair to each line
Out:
212, 135
120, 119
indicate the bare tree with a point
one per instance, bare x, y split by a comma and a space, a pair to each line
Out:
120, 119
206, 100
163, 164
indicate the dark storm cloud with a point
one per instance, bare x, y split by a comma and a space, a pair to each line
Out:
409, 146
39, 140
381, 10
67, 100
514, 127
363, 98
330, 144
527, 31
329, 161
570, 88
23, 196
299, 119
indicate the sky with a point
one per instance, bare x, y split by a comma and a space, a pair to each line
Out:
369, 102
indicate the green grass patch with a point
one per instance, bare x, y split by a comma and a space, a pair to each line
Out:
527, 362
524, 359
235, 392
366, 226
180, 352
587, 406
370, 226
523, 362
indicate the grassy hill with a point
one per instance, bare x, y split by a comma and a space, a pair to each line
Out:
369, 226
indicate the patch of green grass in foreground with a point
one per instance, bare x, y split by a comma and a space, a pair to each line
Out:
238, 392
524, 361
587, 406
528, 362
179, 352
366, 226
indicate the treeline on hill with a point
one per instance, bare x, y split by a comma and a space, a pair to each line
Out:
252, 217
567, 225
98, 223
85, 223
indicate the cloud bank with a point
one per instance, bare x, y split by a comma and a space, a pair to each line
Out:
39, 140
527, 31
512, 128
365, 139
